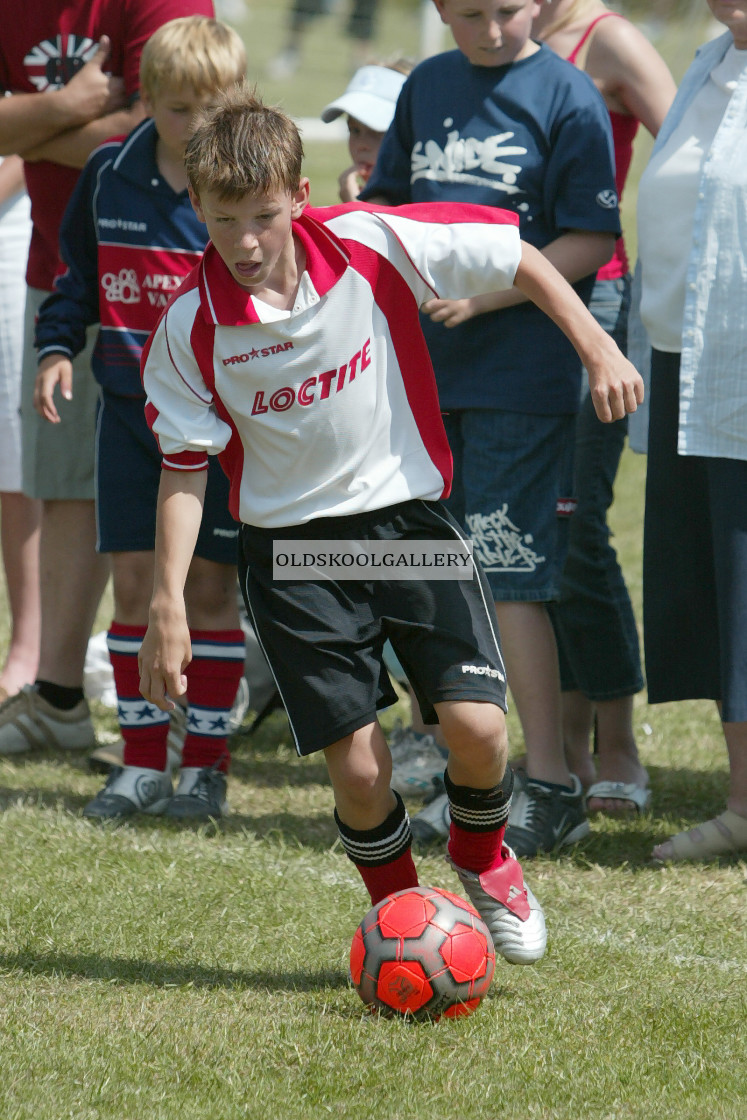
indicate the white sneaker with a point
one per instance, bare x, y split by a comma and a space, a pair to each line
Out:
28, 722
509, 909
433, 822
130, 790
418, 763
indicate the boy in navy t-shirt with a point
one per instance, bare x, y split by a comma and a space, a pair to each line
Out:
502, 121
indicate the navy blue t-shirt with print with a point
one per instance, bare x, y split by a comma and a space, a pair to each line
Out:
533, 137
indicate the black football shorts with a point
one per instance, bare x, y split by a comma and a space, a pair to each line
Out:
324, 638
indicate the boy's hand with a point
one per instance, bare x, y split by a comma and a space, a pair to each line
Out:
53, 370
450, 312
616, 386
351, 183
164, 655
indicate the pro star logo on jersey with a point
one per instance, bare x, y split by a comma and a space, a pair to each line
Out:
250, 355
53, 62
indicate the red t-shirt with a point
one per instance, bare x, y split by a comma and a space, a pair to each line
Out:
42, 46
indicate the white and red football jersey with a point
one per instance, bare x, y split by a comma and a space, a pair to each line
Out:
332, 409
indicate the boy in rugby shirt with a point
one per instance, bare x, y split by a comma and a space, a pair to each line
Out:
128, 237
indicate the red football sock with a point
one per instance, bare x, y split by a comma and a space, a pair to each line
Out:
144, 726
382, 854
476, 851
213, 677
478, 823
389, 877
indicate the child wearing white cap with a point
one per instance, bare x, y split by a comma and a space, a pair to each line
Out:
369, 102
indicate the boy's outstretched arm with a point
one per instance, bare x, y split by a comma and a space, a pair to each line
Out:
166, 650
615, 384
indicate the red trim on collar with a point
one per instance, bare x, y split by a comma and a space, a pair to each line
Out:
226, 303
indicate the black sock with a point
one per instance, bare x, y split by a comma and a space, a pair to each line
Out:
58, 695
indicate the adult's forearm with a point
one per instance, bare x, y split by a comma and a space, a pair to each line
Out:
12, 181
30, 119
73, 147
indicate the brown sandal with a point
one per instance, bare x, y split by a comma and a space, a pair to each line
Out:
724, 835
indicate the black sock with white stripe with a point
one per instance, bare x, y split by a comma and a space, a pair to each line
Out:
382, 854
478, 822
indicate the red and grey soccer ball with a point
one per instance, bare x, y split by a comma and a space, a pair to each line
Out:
423, 953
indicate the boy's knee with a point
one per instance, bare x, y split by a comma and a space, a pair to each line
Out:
473, 728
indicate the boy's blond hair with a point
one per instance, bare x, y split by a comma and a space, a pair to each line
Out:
242, 146
196, 52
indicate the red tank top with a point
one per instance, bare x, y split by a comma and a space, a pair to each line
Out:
624, 128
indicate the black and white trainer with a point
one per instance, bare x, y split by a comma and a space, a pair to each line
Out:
199, 796
545, 817
130, 790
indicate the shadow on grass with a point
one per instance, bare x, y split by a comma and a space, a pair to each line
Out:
681, 798
44, 798
275, 772
164, 974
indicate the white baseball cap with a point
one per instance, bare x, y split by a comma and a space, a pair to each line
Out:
370, 97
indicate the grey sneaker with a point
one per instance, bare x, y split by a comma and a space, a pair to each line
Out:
509, 909
433, 822
130, 790
418, 763
543, 818
108, 755
29, 723
200, 795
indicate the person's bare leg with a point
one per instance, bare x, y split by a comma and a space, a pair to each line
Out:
21, 518
736, 745
478, 742
132, 585
210, 595
72, 579
617, 752
531, 657
578, 726
360, 770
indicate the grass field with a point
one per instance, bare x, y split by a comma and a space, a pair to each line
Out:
149, 971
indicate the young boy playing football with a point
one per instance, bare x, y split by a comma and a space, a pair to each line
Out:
294, 352
128, 237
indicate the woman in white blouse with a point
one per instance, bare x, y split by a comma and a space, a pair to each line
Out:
692, 234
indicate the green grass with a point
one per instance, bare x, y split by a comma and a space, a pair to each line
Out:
149, 971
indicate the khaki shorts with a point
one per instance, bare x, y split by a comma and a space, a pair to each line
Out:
58, 459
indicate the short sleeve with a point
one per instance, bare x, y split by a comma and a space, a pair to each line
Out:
579, 185
179, 406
